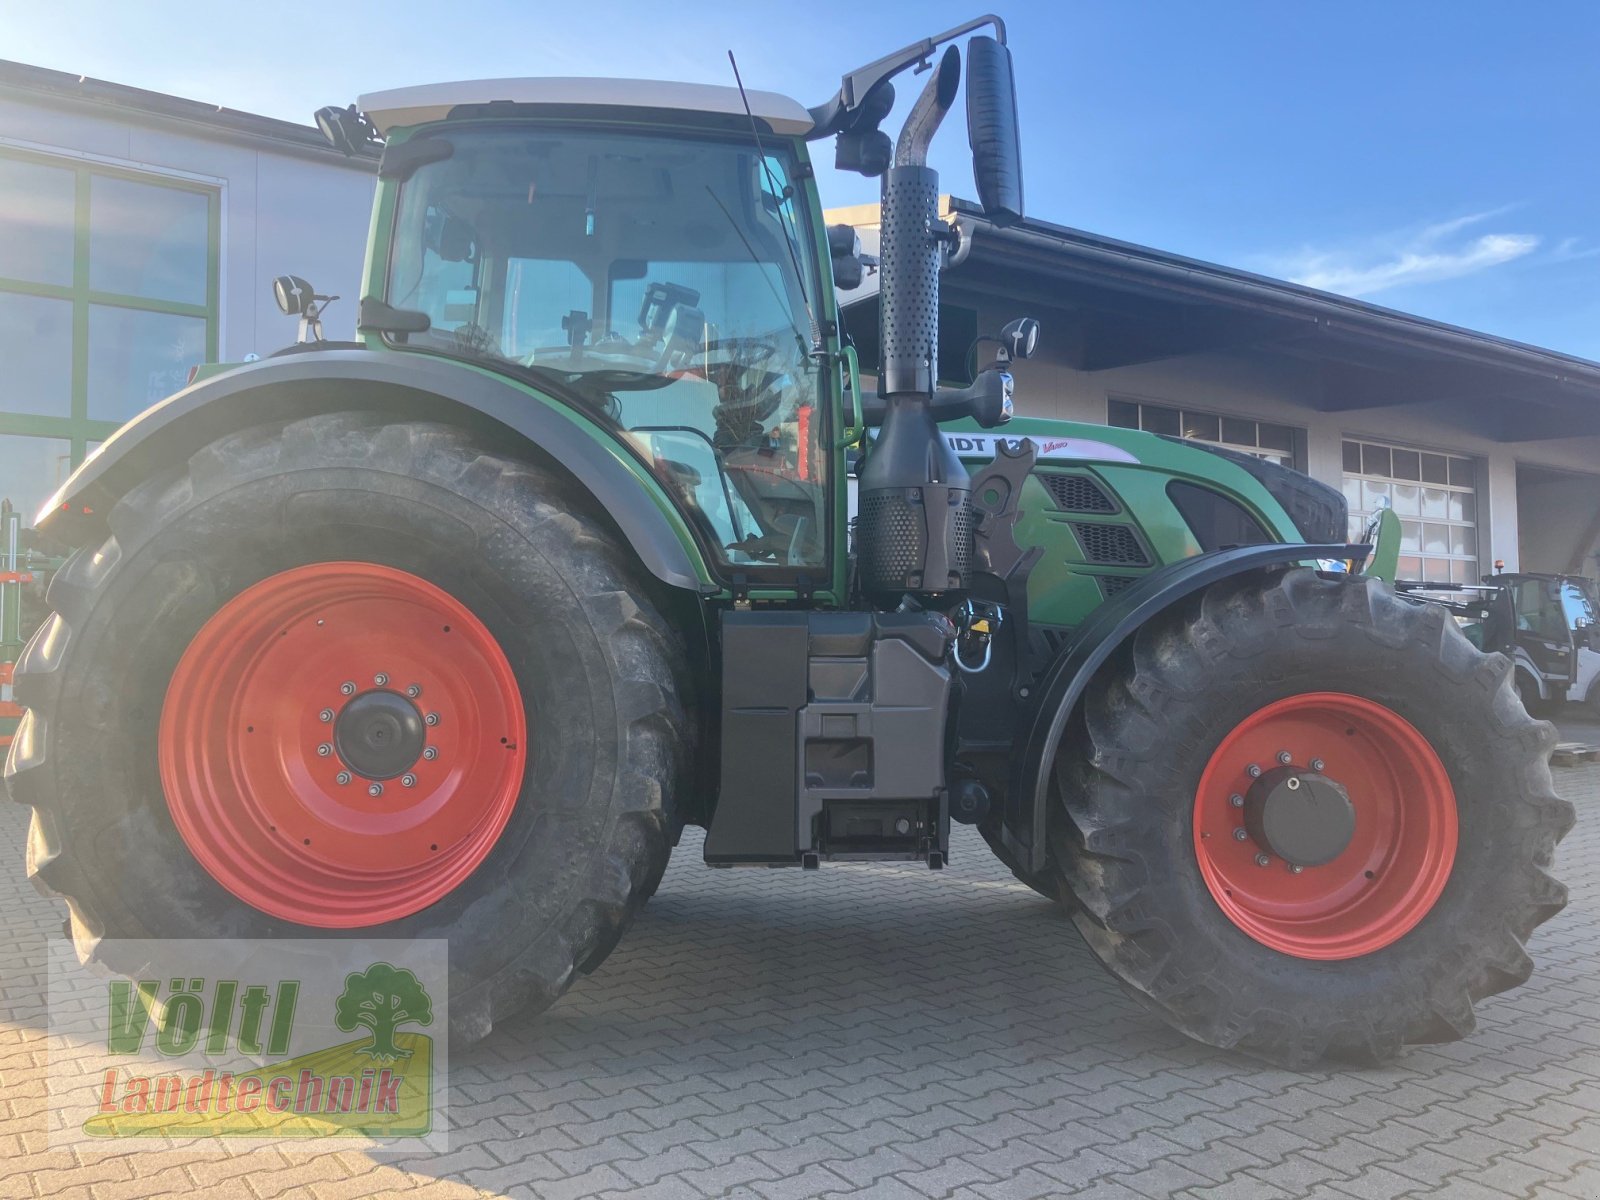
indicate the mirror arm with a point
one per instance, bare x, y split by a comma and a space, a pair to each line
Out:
829, 118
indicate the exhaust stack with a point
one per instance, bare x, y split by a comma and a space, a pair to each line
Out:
914, 530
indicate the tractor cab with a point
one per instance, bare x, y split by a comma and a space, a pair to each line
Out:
648, 252
1548, 625
1555, 636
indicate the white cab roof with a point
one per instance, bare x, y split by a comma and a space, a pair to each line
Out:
433, 101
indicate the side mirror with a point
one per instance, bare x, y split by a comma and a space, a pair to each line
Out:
293, 294
992, 130
1020, 338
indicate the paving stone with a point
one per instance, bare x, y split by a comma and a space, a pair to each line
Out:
874, 1031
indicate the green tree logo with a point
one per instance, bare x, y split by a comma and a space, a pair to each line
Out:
382, 998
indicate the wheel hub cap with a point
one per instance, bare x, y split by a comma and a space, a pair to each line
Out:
379, 735
1325, 826
1302, 817
342, 744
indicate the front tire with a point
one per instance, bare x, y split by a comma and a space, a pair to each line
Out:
1395, 922
247, 604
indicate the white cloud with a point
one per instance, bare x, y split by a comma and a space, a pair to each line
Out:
1430, 254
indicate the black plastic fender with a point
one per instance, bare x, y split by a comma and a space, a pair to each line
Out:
408, 386
1086, 651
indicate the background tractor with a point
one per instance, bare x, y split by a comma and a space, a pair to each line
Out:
449, 633
1547, 625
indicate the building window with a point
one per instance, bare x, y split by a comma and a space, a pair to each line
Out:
108, 295
1276, 443
1434, 495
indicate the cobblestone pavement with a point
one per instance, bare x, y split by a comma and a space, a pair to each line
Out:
894, 1032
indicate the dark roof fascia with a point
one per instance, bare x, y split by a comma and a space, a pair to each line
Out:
1140, 266
61, 89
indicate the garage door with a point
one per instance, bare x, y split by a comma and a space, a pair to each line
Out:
1434, 495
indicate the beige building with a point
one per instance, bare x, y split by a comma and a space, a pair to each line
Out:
139, 235
1487, 449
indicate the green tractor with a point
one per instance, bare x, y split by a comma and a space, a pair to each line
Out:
449, 632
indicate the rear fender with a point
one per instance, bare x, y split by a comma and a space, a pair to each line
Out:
1086, 651
406, 387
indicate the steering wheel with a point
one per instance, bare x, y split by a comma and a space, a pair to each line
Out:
759, 350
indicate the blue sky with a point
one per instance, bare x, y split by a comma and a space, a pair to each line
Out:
1436, 158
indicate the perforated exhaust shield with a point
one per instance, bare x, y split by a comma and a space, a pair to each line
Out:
909, 288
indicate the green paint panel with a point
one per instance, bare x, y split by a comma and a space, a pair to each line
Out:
1133, 470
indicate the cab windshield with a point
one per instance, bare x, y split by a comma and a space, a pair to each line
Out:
663, 282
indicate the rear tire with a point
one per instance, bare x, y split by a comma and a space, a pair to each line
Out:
586, 829
1160, 717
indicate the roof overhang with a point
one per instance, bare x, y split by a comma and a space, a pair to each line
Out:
430, 102
81, 93
1125, 304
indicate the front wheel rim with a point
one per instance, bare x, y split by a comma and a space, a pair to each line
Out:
1402, 836
342, 744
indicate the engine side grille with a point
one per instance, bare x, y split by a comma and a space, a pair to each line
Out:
1110, 545
1110, 585
1076, 493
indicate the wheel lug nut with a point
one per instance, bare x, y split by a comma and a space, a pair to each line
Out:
414, 690
1262, 860
408, 780
1317, 764
348, 688
325, 715
431, 753
1253, 771
1236, 800
1285, 757
1240, 835
375, 790
324, 750
343, 778
380, 679
1295, 868
432, 718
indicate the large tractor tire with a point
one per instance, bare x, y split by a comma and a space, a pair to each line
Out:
1306, 818
339, 678
1046, 884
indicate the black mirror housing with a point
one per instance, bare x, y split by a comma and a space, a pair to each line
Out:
992, 130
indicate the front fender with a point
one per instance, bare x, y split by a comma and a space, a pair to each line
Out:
405, 387
1086, 651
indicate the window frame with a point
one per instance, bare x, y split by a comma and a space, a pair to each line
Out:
77, 427
1296, 454
1474, 559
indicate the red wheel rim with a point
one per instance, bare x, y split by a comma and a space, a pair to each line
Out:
299, 675
1399, 855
